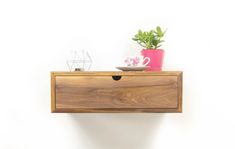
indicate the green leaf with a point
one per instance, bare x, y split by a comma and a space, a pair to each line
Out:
159, 46
135, 39
159, 31
154, 42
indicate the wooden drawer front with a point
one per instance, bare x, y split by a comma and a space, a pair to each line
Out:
100, 93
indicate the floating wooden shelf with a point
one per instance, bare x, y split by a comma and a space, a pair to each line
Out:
116, 91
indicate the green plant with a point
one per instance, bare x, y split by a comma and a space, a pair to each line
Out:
150, 39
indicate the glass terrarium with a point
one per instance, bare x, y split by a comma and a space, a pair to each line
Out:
79, 60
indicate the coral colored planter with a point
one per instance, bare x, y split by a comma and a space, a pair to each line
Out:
156, 58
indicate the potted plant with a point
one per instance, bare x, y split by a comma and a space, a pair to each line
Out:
151, 41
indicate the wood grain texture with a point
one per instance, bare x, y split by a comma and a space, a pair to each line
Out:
99, 92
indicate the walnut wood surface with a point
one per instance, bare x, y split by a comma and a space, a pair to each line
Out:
99, 92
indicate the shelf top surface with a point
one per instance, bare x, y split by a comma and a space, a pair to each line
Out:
116, 72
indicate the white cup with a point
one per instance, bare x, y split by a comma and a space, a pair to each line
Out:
136, 61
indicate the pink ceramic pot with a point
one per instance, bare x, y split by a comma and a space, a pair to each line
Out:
156, 58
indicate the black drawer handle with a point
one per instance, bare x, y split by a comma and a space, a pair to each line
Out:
116, 78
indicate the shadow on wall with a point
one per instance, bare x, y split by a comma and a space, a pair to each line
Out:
117, 131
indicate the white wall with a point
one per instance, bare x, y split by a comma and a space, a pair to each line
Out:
35, 36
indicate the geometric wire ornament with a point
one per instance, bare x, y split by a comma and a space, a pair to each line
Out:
79, 60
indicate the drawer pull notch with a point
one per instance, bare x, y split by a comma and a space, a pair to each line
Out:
116, 78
